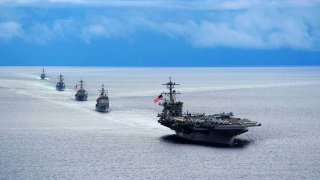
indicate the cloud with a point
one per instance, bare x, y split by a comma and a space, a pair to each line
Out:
9, 30
104, 27
211, 34
42, 33
238, 24
254, 29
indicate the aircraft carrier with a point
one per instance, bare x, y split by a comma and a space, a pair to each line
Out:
216, 128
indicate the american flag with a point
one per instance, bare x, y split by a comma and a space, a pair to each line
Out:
159, 98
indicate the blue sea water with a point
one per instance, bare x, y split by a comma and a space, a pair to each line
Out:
46, 134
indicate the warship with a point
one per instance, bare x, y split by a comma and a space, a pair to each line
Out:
43, 74
216, 128
82, 94
60, 85
103, 101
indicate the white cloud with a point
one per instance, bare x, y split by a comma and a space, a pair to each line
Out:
9, 30
92, 31
42, 33
250, 29
104, 27
256, 25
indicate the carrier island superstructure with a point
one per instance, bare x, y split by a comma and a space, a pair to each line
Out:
216, 128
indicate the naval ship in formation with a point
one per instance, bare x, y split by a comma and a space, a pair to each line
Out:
102, 104
43, 74
60, 85
103, 101
82, 94
217, 128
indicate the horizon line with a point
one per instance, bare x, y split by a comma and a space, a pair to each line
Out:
95, 66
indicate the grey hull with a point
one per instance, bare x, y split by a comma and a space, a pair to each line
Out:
212, 137
60, 89
81, 98
102, 109
81, 95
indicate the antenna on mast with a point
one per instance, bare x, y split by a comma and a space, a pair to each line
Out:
61, 78
170, 85
103, 91
81, 83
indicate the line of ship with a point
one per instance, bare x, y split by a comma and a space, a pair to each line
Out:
219, 128
102, 103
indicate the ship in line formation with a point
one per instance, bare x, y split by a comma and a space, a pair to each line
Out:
102, 103
219, 128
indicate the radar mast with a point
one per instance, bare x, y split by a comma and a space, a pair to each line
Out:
172, 93
103, 91
81, 83
61, 78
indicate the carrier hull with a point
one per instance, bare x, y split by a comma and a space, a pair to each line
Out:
198, 137
213, 136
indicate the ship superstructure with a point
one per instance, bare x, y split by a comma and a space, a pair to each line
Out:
102, 104
216, 128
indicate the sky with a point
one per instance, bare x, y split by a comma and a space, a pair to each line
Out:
160, 33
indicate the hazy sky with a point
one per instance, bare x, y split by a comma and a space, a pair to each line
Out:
160, 32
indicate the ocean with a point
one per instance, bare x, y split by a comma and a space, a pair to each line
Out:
46, 134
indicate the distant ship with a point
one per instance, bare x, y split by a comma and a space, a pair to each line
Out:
103, 101
43, 74
217, 128
82, 94
60, 85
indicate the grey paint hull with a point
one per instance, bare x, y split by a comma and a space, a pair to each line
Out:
211, 137
217, 135
81, 98
60, 89
101, 109
81, 95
